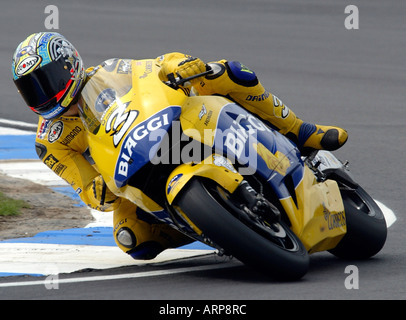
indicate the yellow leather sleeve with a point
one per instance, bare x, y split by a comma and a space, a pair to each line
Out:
62, 147
247, 91
252, 95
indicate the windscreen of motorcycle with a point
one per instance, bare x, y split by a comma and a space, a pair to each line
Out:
106, 84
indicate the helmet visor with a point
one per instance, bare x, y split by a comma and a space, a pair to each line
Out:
43, 88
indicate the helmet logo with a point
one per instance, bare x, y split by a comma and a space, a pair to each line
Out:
60, 48
27, 64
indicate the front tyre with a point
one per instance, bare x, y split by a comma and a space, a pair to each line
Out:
268, 246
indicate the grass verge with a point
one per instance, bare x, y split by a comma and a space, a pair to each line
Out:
11, 207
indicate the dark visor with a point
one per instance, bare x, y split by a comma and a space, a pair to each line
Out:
42, 85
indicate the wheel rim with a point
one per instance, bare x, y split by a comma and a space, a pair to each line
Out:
273, 231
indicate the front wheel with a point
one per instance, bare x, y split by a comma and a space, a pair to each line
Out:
268, 246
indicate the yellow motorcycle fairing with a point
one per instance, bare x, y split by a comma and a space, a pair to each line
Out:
317, 216
215, 167
199, 117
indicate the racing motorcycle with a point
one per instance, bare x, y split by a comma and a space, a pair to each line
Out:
220, 175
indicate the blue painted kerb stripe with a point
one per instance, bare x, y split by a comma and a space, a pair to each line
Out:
94, 236
18, 147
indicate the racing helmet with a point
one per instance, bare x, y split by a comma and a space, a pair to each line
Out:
48, 72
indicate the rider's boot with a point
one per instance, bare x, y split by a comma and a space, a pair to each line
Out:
311, 136
305, 135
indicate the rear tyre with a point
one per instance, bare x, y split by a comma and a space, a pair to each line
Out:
268, 246
366, 226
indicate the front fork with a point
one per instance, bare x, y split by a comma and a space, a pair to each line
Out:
254, 204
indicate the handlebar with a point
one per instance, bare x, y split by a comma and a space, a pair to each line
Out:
175, 82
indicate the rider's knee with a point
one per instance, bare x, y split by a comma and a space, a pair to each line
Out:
142, 238
241, 74
127, 241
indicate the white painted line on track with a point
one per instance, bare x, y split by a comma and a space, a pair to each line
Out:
46, 259
154, 273
18, 123
14, 132
32, 170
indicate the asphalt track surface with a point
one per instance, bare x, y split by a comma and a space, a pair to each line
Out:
302, 52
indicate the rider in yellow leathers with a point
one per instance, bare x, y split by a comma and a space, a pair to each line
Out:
49, 74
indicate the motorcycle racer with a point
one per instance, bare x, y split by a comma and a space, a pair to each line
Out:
49, 74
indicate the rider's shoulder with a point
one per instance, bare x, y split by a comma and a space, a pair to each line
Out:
57, 130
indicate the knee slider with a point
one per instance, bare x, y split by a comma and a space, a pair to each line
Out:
126, 238
143, 251
240, 74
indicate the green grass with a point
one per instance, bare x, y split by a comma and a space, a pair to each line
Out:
11, 207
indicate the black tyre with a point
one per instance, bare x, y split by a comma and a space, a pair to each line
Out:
366, 226
270, 247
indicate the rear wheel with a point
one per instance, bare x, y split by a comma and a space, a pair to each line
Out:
366, 226
268, 246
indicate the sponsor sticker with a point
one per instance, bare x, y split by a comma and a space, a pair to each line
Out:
27, 64
174, 181
55, 131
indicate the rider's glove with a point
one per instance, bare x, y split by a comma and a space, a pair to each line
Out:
101, 192
190, 67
